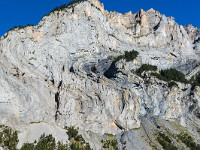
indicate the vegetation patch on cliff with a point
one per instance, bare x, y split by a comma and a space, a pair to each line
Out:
188, 141
77, 141
146, 67
165, 142
75, 2
196, 81
17, 27
110, 144
128, 56
8, 138
62, 7
169, 75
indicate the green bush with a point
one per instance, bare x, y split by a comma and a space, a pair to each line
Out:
72, 133
77, 141
110, 144
28, 146
62, 7
118, 58
188, 141
75, 2
61, 146
114, 144
9, 138
46, 142
87, 147
20, 27
59, 8
128, 56
171, 74
198, 78
165, 142
196, 81
1, 137
146, 67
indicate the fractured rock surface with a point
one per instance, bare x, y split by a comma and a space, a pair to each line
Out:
54, 73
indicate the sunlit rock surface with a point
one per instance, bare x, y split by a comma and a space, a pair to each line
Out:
53, 74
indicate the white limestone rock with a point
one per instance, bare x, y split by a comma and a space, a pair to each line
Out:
47, 71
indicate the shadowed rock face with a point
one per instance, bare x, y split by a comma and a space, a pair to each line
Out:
60, 72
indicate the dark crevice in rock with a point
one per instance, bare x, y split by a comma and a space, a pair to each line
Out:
123, 101
63, 68
192, 90
52, 81
196, 41
71, 69
173, 55
119, 126
57, 100
94, 69
197, 115
153, 120
156, 27
56, 115
60, 84
111, 72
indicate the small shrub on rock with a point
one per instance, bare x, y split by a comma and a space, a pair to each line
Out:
188, 141
146, 67
171, 74
128, 56
9, 138
165, 142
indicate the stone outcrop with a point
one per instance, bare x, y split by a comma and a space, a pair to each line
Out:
53, 73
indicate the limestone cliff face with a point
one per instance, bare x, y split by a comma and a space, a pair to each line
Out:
53, 73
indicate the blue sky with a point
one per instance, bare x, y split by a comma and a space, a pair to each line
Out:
22, 12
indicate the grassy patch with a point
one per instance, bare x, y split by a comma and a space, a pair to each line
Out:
137, 37
34, 122
109, 135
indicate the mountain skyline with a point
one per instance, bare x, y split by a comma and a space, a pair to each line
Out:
85, 78
30, 12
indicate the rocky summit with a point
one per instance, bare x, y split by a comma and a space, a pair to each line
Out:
85, 78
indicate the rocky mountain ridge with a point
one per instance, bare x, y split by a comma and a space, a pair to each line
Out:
52, 76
